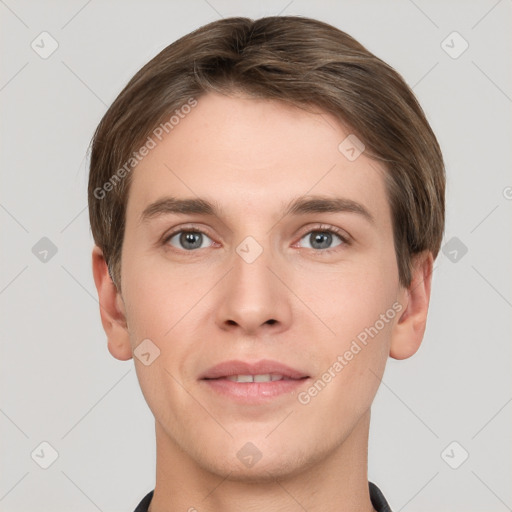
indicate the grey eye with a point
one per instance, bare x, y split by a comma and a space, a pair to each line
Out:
189, 240
320, 239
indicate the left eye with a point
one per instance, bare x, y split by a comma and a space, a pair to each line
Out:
321, 239
189, 240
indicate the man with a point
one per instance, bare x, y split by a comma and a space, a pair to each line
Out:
267, 199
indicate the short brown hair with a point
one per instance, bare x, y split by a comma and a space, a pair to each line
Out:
297, 60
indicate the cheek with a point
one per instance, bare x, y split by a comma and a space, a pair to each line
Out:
145, 310
361, 315
164, 303
157, 302
352, 297
357, 305
359, 310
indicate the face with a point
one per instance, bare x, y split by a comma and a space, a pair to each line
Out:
288, 271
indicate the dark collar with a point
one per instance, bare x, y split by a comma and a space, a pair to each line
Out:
377, 498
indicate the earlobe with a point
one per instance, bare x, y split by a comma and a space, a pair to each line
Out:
112, 310
409, 329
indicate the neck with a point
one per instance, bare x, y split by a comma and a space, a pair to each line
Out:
337, 482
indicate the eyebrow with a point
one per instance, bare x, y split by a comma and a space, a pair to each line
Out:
299, 206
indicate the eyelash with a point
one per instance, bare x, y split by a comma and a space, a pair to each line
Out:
345, 239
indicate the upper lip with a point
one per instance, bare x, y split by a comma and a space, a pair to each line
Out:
265, 366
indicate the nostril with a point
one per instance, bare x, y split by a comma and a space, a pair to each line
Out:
271, 321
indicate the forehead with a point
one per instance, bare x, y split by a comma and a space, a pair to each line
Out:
241, 151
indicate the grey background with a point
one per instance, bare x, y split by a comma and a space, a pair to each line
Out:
59, 384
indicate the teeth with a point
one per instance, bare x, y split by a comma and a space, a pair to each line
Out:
267, 377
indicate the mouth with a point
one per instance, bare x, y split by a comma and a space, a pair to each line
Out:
262, 377
254, 383
265, 370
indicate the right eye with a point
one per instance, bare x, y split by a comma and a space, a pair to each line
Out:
188, 240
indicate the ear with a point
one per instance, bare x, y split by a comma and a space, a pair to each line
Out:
112, 311
409, 330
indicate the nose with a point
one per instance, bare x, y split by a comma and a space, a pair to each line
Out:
252, 297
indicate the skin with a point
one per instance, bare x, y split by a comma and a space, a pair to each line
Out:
207, 305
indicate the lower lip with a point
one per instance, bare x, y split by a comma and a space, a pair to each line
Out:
253, 392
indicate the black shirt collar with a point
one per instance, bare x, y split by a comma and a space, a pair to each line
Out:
378, 501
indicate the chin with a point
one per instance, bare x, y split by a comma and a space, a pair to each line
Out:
264, 466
